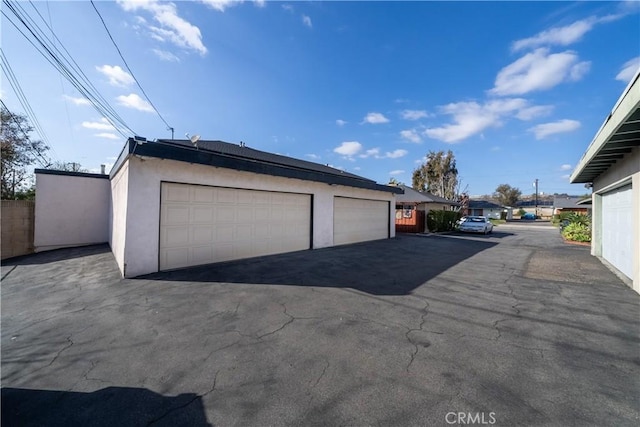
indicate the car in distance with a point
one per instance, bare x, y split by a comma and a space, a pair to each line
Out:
528, 215
476, 224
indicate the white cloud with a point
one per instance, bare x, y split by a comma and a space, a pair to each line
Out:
134, 101
78, 100
375, 118
411, 135
629, 69
396, 154
565, 167
106, 135
313, 156
530, 113
373, 152
567, 176
348, 148
543, 130
307, 21
103, 124
470, 118
222, 5
116, 75
172, 28
287, 7
539, 70
396, 172
562, 36
413, 114
341, 123
166, 55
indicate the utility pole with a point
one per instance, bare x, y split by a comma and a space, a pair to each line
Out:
536, 185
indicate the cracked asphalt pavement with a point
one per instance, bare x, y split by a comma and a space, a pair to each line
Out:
517, 324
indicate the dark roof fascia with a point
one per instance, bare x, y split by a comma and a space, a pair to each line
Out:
68, 173
202, 157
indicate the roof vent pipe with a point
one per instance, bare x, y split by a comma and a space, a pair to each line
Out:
102, 169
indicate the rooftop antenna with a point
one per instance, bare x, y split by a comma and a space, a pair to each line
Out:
171, 129
194, 140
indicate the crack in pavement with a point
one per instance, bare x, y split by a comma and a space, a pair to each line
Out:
9, 272
409, 331
196, 397
324, 371
291, 319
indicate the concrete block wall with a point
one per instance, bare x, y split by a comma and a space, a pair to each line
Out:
17, 220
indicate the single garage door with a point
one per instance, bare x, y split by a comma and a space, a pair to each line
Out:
616, 229
359, 220
202, 224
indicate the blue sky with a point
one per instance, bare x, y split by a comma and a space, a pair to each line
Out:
517, 90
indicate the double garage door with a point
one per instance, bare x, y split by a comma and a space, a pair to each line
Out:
617, 226
202, 224
359, 220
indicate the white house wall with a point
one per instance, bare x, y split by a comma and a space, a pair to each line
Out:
626, 170
70, 210
143, 207
118, 223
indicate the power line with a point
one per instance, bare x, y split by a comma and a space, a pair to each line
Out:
65, 64
127, 65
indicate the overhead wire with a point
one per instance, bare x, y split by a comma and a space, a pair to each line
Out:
17, 89
44, 161
65, 64
127, 66
64, 95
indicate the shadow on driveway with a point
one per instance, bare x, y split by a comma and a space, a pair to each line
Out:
56, 255
384, 267
111, 406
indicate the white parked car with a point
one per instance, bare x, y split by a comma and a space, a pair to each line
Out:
476, 224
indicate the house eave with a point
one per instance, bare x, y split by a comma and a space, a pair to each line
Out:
617, 136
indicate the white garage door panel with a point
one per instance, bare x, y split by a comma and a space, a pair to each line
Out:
202, 225
616, 229
359, 220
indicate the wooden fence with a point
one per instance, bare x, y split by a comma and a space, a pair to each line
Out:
409, 224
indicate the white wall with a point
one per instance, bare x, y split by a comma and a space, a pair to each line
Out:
118, 215
625, 170
143, 207
71, 210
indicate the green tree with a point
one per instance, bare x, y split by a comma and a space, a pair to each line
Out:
18, 151
438, 175
507, 195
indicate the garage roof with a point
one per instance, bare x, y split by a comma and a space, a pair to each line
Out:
617, 136
240, 157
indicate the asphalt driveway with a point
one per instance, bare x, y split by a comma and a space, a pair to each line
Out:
517, 328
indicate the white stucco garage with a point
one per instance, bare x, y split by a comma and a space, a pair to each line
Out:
611, 165
175, 205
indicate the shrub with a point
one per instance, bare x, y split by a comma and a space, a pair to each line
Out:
577, 232
442, 220
521, 212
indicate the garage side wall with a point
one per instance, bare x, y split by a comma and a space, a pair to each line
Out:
118, 215
624, 171
72, 209
143, 209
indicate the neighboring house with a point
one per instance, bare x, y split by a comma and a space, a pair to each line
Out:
173, 204
412, 207
562, 204
485, 208
611, 166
